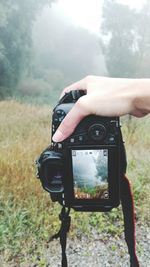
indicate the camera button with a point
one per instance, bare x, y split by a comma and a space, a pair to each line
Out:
80, 138
60, 112
111, 139
97, 132
72, 140
106, 195
60, 146
56, 119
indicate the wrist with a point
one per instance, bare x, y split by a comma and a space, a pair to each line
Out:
140, 97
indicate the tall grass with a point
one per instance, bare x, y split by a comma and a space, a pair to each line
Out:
27, 216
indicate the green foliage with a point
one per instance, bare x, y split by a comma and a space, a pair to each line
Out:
20, 227
14, 228
126, 42
16, 18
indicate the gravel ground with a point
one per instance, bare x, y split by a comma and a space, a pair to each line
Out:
96, 252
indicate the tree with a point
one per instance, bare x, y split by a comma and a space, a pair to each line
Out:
16, 18
143, 41
126, 39
118, 42
102, 167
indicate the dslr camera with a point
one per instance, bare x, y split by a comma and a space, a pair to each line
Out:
83, 172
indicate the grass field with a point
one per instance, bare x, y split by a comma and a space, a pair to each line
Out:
27, 216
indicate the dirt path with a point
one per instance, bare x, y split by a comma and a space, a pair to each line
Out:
101, 251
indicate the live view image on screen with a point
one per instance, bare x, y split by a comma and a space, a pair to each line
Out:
90, 174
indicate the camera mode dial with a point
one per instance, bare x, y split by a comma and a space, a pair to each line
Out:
97, 132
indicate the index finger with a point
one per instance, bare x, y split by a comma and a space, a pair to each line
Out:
80, 110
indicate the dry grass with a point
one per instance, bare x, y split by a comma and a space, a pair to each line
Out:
24, 207
24, 133
26, 213
137, 139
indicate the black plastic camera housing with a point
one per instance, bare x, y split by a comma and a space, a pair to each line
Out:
83, 172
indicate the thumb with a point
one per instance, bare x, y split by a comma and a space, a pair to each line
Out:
72, 119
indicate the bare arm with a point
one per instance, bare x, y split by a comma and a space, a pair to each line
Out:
106, 97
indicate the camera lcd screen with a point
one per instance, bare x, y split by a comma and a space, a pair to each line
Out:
90, 174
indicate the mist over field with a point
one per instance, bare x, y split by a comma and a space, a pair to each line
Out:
60, 46
48, 51
48, 45
96, 161
44, 46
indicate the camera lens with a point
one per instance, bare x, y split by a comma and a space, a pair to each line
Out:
97, 132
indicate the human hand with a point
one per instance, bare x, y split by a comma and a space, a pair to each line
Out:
105, 97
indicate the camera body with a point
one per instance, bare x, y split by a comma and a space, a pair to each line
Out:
84, 171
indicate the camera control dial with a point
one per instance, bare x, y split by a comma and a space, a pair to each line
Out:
97, 132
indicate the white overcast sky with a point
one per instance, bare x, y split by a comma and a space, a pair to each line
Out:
86, 13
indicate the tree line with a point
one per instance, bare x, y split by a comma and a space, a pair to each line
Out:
123, 49
126, 39
16, 19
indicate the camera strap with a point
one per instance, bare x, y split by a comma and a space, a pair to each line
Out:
129, 224
129, 220
62, 234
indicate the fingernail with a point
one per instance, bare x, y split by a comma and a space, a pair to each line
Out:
58, 136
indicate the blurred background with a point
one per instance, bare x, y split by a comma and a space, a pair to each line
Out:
44, 46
